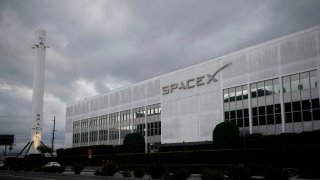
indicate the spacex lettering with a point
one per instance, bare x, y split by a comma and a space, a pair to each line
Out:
191, 83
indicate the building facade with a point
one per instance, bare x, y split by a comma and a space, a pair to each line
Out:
270, 88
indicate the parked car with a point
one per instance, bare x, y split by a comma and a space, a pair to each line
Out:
52, 164
1, 164
53, 167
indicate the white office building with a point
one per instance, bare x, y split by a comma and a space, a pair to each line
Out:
270, 88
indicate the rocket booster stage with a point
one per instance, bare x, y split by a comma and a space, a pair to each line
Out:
38, 87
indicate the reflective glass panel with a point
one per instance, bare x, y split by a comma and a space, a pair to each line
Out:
286, 84
306, 115
297, 116
276, 86
232, 94
260, 89
253, 90
268, 87
226, 95
278, 118
245, 92
239, 93
304, 81
295, 82
313, 79
306, 104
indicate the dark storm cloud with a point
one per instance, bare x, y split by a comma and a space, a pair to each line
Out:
96, 46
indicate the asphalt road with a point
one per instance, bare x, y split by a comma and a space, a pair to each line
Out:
9, 175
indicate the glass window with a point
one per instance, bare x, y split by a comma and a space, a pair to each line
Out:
277, 108
296, 106
225, 95
255, 121
270, 109
239, 113
313, 79
239, 93
246, 122
278, 118
297, 116
232, 94
316, 114
260, 89
253, 90
315, 103
304, 81
306, 104
262, 120
226, 115
306, 115
288, 118
262, 110
245, 91
286, 84
232, 114
287, 107
156, 125
246, 112
268, 88
240, 122
270, 119
295, 82
254, 111
276, 86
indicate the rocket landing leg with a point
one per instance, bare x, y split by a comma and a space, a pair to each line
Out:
28, 146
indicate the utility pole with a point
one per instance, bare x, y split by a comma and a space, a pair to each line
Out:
53, 131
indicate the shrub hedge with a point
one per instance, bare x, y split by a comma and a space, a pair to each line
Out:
283, 150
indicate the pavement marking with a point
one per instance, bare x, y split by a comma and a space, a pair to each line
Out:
24, 177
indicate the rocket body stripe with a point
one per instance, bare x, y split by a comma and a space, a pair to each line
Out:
38, 87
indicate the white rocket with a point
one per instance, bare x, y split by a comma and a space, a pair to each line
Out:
38, 87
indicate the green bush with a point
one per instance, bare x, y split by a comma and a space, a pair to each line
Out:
156, 170
180, 174
126, 173
138, 173
109, 169
77, 168
238, 172
208, 174
226, 135
134, 143
97, 173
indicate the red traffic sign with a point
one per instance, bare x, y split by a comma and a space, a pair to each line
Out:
90, 151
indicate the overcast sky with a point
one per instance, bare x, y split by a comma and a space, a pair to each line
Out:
101, 45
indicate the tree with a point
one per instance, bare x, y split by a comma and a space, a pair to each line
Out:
134, 143
226, 135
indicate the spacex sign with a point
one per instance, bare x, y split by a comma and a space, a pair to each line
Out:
193, 82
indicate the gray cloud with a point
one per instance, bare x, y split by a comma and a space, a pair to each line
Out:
96, 46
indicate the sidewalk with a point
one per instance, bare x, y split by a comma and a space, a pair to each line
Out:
118, 175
